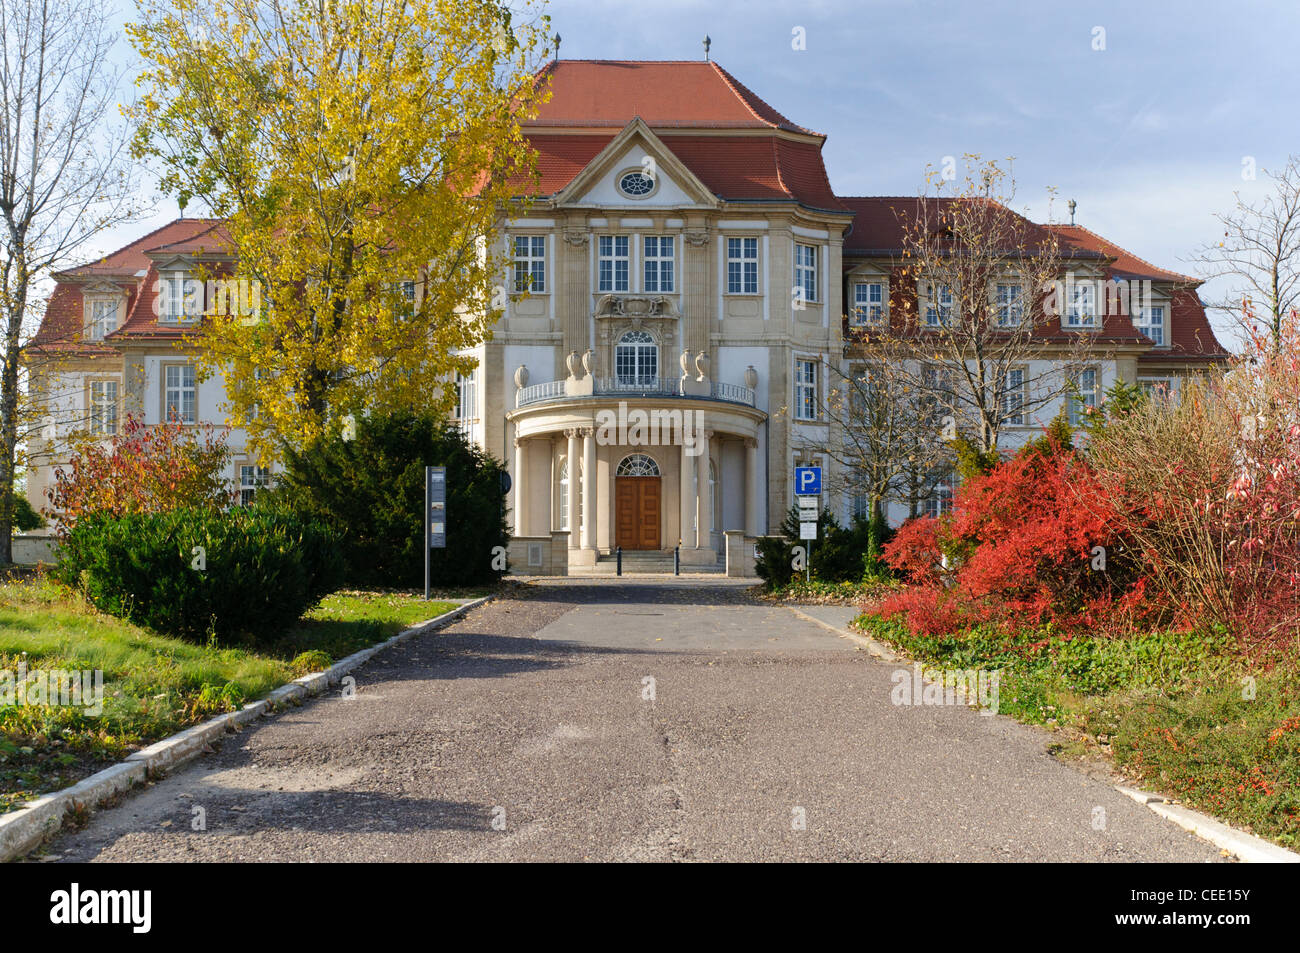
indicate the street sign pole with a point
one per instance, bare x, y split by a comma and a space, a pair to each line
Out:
428, 543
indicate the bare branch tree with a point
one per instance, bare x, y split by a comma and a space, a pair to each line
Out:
1260, 253
978, 322
64, 178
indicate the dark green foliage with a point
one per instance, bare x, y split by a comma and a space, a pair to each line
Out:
25, 518
260, 569
838, 554
1121, 399
973, 462
371, 489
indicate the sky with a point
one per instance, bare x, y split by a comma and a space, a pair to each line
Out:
1150, 114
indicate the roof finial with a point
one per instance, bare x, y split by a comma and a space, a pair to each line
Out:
557, 44
1072, 204
707, 44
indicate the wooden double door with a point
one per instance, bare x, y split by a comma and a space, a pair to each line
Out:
636, 512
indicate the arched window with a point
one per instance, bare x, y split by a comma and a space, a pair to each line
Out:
636, 360
639, 465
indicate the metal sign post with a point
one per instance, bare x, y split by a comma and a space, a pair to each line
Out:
435, 516
808, 487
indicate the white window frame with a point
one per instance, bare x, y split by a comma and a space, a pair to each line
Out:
101, 397
1153, 318
96, 326
466, 400
939, 501
659, 270
742, 266
529, 263
1015, 397
178, 288
259, 478
938, 305
1081, 303
614, 252
805, 273
806, 381
1091, 397
644, 356
1010, 308
866, 310
180, 390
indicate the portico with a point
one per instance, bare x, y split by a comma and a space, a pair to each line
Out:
652, 473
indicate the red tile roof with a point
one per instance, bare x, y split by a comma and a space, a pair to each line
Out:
135, 257
1191, 338
663, 93
739, 168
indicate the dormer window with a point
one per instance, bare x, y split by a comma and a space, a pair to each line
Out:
178, 298
868, 302
1151, 322
103, 311
1081, 304
1010, 301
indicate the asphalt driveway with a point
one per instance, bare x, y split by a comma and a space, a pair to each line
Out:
629, 720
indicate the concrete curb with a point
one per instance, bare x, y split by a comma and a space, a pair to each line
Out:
877, 649
28, 827
1245, 847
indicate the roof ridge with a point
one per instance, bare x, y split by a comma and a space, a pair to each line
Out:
143, 238
1135, 257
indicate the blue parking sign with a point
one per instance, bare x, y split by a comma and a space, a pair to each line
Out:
807, 481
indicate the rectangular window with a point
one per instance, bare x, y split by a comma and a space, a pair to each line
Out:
103, 317
466, 401
860, 510
868, 302
530, 264
939, 501
1010, 304
1161, 387
659, 264
1151, 322
181, 298
179, 393
251, 479
1013, 398
805, 389
938, 306
103, 408
1085, 400
805, 272
1081, 304
612, 263
742, 266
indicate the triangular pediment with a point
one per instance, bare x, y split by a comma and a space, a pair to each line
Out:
636, 148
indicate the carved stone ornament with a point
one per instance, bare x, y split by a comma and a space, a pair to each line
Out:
751, 377
685, 361
571, 362
521, 376
702, 363
636, 307
589, 362
577, 239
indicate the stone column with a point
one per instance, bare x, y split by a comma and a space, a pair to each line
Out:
751, 487
572, 489
588, 488
521, 496
687, 499
704, 495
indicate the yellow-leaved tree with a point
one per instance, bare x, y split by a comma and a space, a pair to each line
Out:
360, 153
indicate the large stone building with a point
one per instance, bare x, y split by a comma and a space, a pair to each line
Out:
678, 289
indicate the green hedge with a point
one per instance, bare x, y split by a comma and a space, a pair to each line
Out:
371, 489
838, 554
259, 570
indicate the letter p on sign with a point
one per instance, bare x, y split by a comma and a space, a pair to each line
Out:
808, 481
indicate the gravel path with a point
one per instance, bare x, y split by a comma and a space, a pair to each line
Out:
527, 731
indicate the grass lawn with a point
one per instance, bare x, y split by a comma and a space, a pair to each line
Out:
154, 685
1183, 714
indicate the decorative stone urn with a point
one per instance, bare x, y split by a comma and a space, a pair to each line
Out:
571, 362
702, 364
751, 377
589, 362
521, 376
